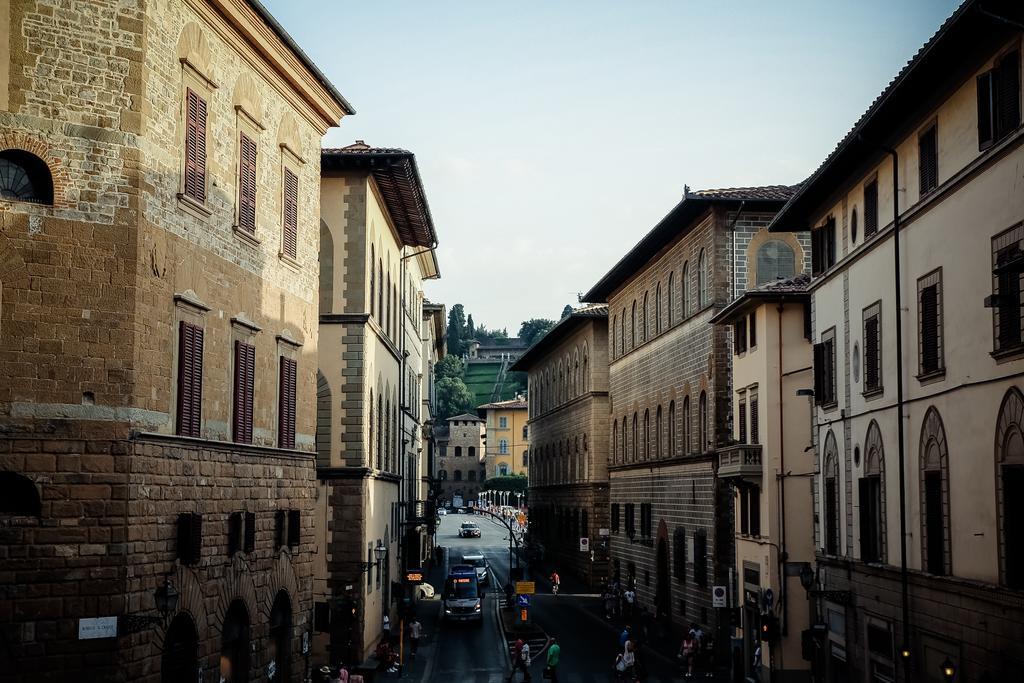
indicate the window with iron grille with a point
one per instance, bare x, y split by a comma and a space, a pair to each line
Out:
928, 159
823, 247
825, 369
195, 146
870, 208
999, 100
190, 538
873, 348
929, 324
739, 336
246, 183
679, 546
286, 404
245, 377
615, 518
630, 520
1007, 268
190, 379
290, 214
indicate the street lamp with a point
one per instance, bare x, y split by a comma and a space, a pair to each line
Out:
379, 553
948, 669
166, 599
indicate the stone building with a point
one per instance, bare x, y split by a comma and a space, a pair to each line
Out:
768, 464
670, 395
508, 438
460, 464
569, 425
377, 244
916, 296
435, 348
158, 228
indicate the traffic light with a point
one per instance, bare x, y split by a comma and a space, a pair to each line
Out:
769, 628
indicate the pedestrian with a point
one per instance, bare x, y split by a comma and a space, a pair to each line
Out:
630, 597
520, 660
554, 657
609, 604
624, 636
556, 581
387, 628
688, 653
415, 631
625, 662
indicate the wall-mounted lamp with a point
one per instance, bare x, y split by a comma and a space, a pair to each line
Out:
948, 669
379, 553
166, 598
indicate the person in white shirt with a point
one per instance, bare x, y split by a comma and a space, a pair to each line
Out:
415, 631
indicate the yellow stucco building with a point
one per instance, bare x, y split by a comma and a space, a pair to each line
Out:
508, 442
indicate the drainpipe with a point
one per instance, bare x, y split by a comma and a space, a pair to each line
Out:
904, 590
783, 555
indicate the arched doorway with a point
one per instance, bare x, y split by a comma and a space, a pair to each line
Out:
234, 649
280, 639
179, 663
663, 590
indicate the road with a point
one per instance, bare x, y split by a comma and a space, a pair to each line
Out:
476, 653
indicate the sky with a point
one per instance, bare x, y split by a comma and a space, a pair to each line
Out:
551, 136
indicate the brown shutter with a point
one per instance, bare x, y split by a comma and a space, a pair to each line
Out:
286, 409
755, 436
234, 533
927, 148
1007, 94
247, 184
190, 379
195, 146
279, 528
743, 422
985, 128
930, 329
250, 532
291, 213
294, 528
819, 367
871, 208
245, 366
197, 381
195, 547
871, 353
753, 329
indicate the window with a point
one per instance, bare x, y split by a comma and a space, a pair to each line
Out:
442, 475
928, 160
644, 322
657, 310
882, 668
503, 423
24, 177
870, 208
872, 349
458, 451
741, 411
502, 446
825, 369
686, 425
702, 285
632, 329
615, 325
286, 403
1009, 445
622, 333
750, 510
615, 518
190, 538
831, 502
999, 100
684, 296
871, 498
853, 225
775, 261
502, 471
630, 520
702, 426
18, 496
679, 546
195, 146
657, 434
290, 214
929, 324
739, 336
245, 371
671, 299
635, 454
623, 451
752, 329
646, 517
246, 184
526, 458
190, 379
934, 495
823, 247
647, 434
241, 532
615, 441
1007, 267
525, 432
700, 558
755, 436
458, 475
671, 428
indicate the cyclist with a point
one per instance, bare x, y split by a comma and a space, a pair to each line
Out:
556, 580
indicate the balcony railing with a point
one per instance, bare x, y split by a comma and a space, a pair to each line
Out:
740, 460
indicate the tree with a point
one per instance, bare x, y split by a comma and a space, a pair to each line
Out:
516, 483
453, 398
449, 366
567, 311
457, 330
470, 327
535, 328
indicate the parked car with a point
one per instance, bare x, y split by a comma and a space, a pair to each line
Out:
469, 530
425, 591
441, 512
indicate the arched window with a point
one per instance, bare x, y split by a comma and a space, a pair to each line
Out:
632, 331
702, 427
179, 661
323, 419
386, 322
458, 475
526, 458
686, 425
657, 433
775, 261
24, 177
586, 377
442, 475
671, 429
1010, 487
647, 434
18, 496
615, 441
831, 495
671, 300
657, 309
871, 490
644, 322
281, 637
934, 496
234, 650
702, 284
615, 324
472, 473
380, 293
373, 281
624, 454
635, 454
853, 225
622, 333
684, 296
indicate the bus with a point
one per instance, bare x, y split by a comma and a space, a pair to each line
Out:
463, 600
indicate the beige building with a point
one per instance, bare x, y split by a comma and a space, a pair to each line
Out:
435, 348
917, 237
159, 207
377, 244
769, 465
568, 411
508, 438
670, 395
460, 462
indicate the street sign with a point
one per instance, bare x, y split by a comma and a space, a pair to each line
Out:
526, 587
719, 597
603, 532
98, 627
523, 601
584, 545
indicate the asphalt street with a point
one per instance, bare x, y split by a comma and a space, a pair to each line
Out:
477, 652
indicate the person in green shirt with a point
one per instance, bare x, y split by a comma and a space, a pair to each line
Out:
554, 656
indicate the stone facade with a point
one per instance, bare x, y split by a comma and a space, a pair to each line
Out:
460, 463
568, 496
508, 438
94, 285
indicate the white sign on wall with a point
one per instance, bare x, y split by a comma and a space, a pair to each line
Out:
584, 545
97, 627
719, 596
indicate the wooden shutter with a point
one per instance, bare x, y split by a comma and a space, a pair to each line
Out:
871, 208
739, 336
819, 373
831, 517
871, 353
286, 407
816, 268
934, 523
190, 537
190, 379
863, 489
235, 533
250, 532
279, 529
245, 377
986, 132
1007, 95
753, 329
630, 525
928, 160
195, 146
743, 422
291, 214
294, 528
755, 436
246, 184
830, 371
930, 328
755, 510
744, 512
700, 558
